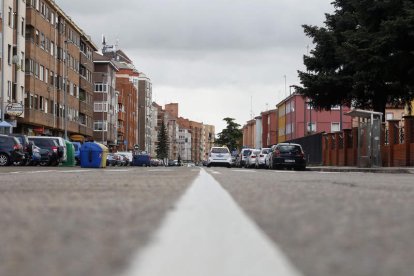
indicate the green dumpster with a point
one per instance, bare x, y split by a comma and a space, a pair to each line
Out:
70, 153
104, 154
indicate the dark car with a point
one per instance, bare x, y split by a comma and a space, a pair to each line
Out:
27, 148
11, 151
288, 155
53, 151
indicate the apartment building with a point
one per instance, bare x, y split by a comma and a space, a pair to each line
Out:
13, 26
127, 127
59, 68
105, 106
269, 128
143, 84
144, 111
209, 138
297, 118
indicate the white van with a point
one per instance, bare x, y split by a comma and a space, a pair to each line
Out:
59, 140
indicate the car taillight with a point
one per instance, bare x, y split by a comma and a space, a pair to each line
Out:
277, 153
55, 149
17, 147
301, 154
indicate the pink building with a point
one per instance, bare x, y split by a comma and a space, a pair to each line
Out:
297, 119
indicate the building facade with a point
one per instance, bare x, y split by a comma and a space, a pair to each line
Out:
58, 68
105, 104
12, 82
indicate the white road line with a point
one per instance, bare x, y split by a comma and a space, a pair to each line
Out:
160, 170
76, 171
208, 234
215, 172
244, 171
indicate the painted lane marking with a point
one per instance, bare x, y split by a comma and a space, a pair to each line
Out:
77, 171
244, 171
160, 170
208, 234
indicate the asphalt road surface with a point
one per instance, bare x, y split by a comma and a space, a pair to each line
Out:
192, 221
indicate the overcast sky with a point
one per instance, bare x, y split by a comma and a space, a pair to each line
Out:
216, 58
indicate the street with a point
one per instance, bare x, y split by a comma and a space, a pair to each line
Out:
198, 221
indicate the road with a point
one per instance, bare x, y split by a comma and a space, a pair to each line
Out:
192, 221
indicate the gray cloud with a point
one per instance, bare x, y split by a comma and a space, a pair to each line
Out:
232, 49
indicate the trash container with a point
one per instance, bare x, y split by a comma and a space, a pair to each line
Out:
104, 154
91, 155
143, 160
70, 155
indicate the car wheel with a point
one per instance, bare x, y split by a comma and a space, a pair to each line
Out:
4, 159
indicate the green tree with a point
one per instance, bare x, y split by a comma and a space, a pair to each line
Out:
230, 136
364, 56
162, 147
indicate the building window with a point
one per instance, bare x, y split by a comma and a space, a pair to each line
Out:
9, 49
100, 126
389, 116
335, 127
22, 27
10, 17
311, 127
41, 72
101, 87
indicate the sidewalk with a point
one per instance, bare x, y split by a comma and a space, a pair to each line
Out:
409, 170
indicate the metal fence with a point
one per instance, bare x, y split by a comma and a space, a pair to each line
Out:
312, 146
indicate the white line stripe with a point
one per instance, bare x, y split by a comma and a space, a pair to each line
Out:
208, 234
244, 171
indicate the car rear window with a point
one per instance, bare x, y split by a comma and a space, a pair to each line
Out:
265, 151
219, 150
246, 152
290, 148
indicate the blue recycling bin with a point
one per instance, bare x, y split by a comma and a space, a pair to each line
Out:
143, 160
91, 155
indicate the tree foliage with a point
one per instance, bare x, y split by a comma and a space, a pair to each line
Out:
363, 56
231, 135
162, 147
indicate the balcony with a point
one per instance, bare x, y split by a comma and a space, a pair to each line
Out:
121, 130
121, 116
37, 117
86, 109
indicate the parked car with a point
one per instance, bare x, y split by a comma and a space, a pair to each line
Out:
251, 158
53, 150
112, 160
39, 156
269, 156
261, 158
241, 158
11, 150
219, 156
155, 162
288, 155
60, 143
124, 161
143, 160
129, 156
27, 148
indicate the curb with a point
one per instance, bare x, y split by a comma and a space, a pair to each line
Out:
364, 170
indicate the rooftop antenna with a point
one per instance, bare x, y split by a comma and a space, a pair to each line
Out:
251, 107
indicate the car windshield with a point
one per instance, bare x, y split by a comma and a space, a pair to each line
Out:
219, 150
290, 148
246, 152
